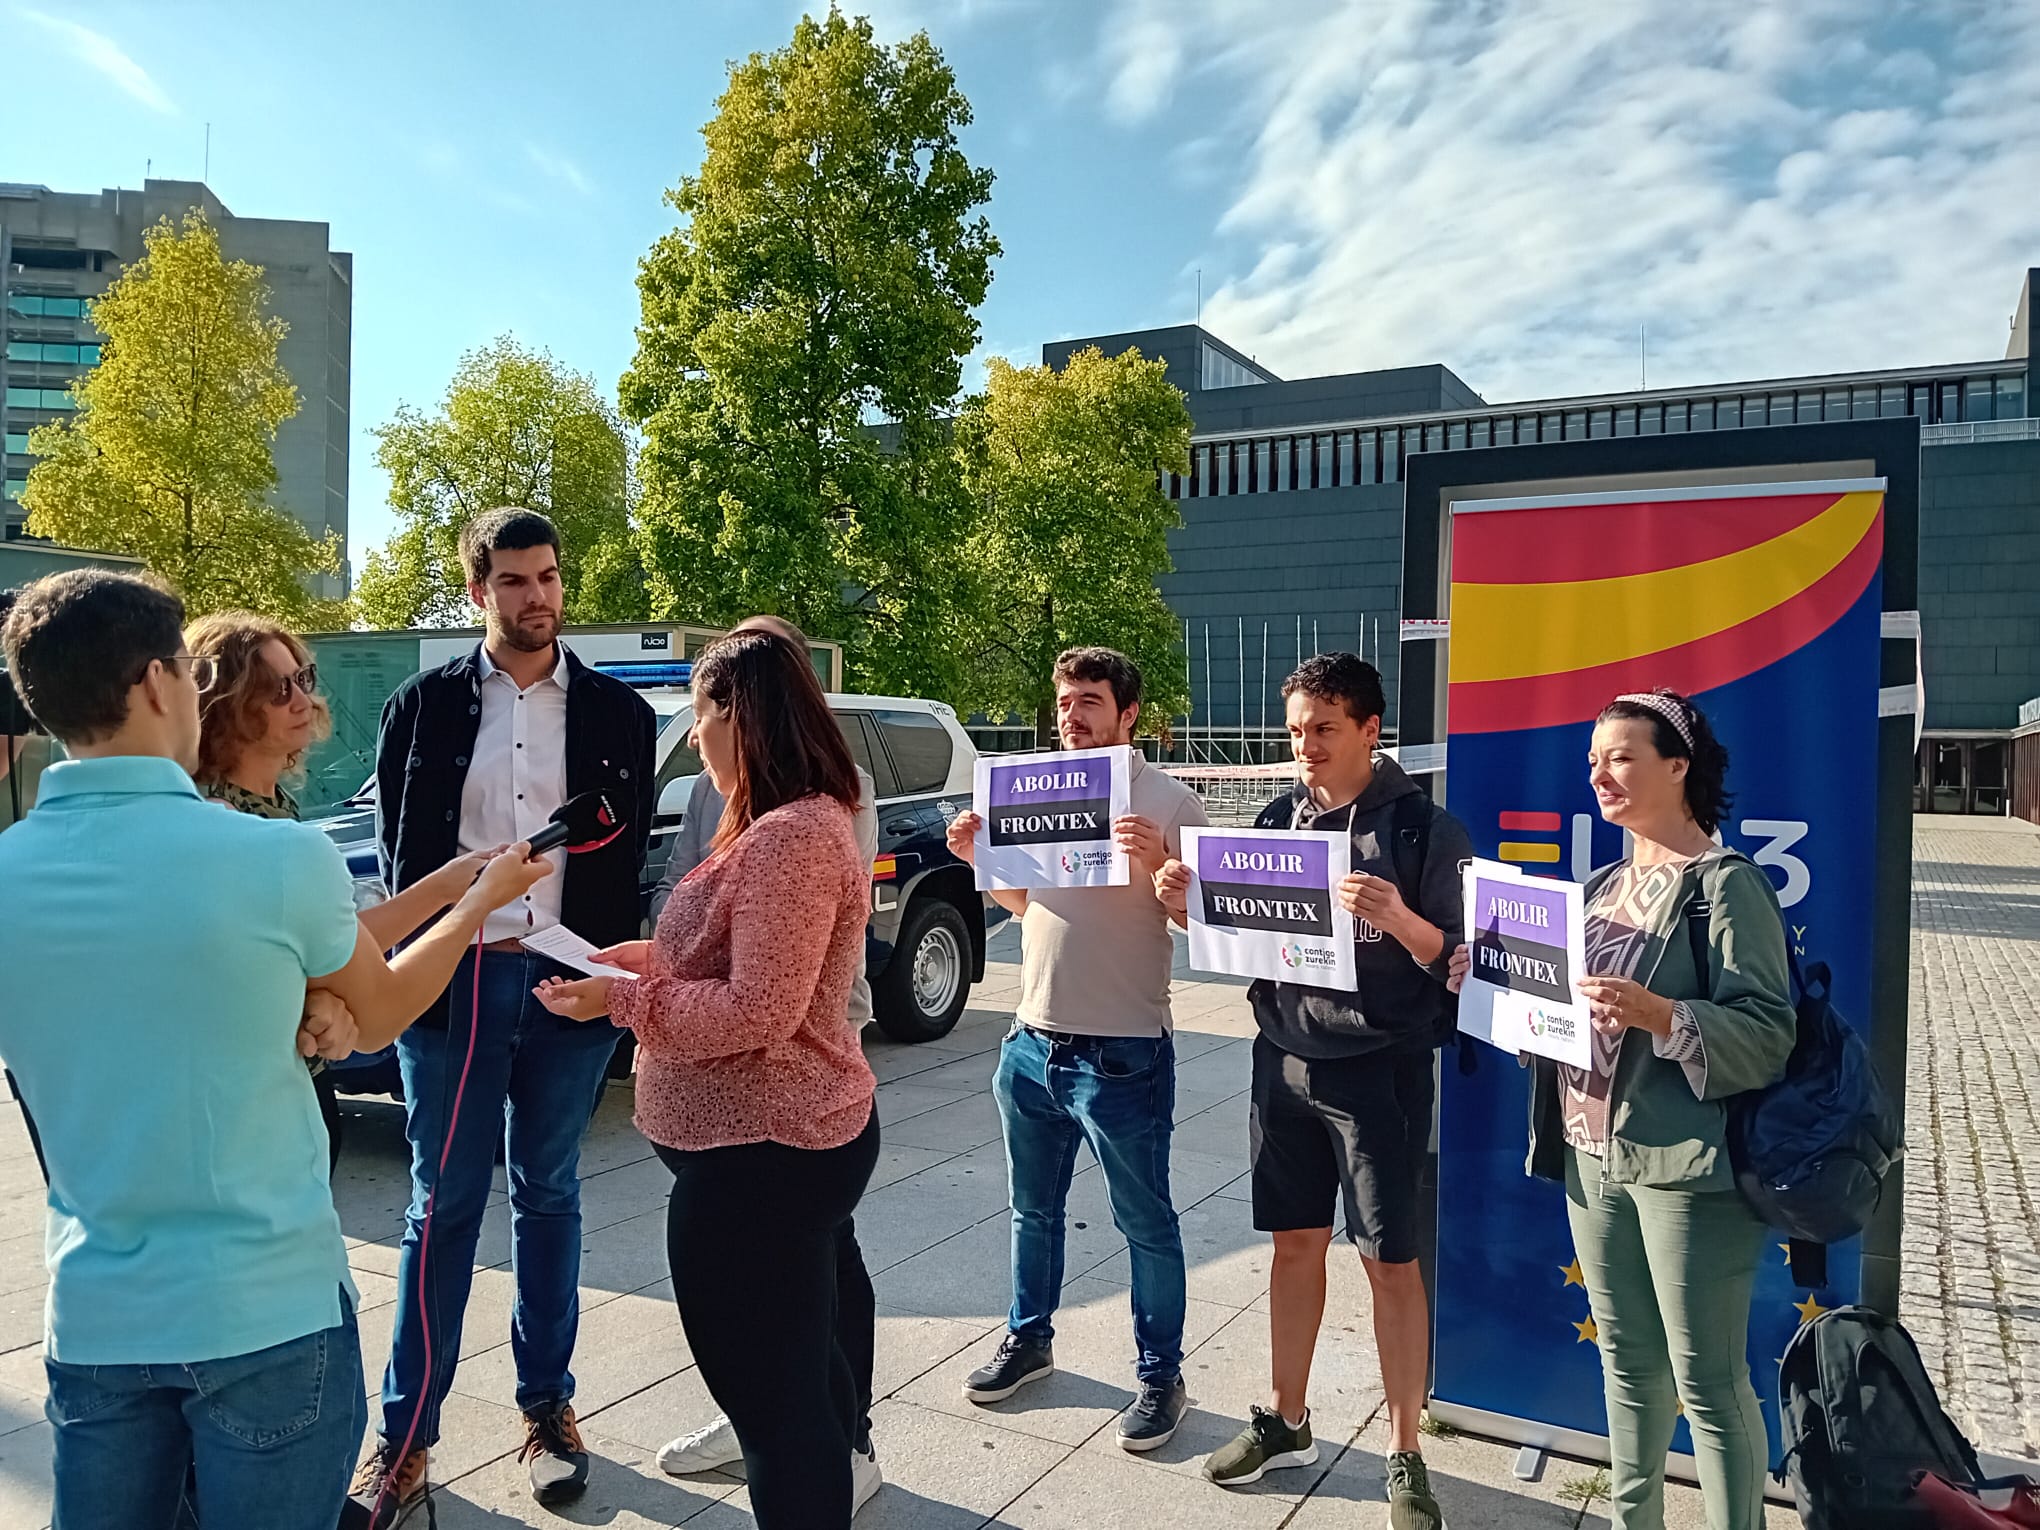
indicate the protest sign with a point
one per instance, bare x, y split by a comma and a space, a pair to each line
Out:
1047, 818
1528, 941
1262, 905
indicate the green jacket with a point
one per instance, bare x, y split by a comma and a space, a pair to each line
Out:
1659, 1134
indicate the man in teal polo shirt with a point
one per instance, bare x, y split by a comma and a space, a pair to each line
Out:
157, 952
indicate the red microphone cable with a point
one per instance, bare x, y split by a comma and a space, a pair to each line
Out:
424, 1245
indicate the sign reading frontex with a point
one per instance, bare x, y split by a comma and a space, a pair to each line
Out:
1249, 886
1037, 803
1261, 905
1048, 819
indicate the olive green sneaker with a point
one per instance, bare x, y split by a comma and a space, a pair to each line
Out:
1265, 1445
1410, 1504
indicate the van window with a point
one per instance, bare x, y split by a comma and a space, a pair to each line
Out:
683, 761
861, 734
920, 748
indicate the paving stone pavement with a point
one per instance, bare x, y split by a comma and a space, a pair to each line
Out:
1970, 1276
934, 1227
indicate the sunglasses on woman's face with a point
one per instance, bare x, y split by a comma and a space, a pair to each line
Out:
306, 680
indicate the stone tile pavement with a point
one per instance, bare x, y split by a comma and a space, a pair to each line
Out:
1971, 1266
934, 1228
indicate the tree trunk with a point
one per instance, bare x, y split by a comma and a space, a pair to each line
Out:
1044, 714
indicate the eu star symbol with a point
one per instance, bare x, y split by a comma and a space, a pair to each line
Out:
1809, 1309
1589, 1334
1786, 1250
1574, 1275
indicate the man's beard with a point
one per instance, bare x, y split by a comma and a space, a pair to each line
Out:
532, 635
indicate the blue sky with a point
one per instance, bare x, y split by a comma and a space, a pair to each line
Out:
1510, 187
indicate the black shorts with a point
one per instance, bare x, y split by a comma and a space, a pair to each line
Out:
1352, 1126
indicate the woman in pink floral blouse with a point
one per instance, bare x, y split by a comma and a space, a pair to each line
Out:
750, 1085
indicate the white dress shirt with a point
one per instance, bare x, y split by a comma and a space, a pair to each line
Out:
516, 781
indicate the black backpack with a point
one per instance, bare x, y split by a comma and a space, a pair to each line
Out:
1811, 1152
1859, 1419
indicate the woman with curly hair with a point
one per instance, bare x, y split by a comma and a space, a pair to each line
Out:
1667, 1244
257, 718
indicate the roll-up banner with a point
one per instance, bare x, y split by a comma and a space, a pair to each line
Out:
1763, 600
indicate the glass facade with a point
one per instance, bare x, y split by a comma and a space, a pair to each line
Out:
45, 352
29, 306
1221, 371
1278, 464
39, 398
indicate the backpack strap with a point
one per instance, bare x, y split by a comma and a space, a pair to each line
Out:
1809, 1263
1410, 830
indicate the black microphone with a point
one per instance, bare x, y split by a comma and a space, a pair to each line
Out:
586, 822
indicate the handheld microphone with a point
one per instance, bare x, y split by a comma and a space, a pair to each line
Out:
586, 822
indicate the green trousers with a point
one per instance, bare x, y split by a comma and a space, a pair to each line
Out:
1669, 1278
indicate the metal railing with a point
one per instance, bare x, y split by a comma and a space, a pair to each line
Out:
1976, 432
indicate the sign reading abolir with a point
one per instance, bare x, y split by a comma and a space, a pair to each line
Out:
1262, 905
1047, 819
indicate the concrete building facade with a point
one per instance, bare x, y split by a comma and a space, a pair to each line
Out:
58, 250
1292, 529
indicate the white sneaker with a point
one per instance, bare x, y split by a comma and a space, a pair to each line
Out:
865, 1479
712, 1445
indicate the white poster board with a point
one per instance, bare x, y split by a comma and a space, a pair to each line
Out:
1046, 819
1528, 940
1262, 905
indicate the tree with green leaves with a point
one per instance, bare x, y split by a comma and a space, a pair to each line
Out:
515, 428
171, 454
823, 281
1071, 529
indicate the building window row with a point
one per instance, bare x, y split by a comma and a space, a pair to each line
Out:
17, 442
30, 306
45, 351
40, 398
1333, 459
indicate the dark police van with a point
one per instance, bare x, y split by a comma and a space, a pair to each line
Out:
925, 943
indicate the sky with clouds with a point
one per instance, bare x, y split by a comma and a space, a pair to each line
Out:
1511, 187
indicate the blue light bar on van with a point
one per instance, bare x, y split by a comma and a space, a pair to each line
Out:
645, 676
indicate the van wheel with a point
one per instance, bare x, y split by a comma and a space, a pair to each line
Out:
924, 987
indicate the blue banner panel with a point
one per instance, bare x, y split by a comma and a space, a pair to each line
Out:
1769, 616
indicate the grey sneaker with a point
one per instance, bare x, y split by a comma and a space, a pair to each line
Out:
1265, 1445
1410, 1504
1018, 1362
1152, 1419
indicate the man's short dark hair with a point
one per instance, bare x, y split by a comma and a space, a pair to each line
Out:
1092, 665
509, 529
1340, 677
77, 643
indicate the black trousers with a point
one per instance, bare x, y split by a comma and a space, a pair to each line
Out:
753, 1236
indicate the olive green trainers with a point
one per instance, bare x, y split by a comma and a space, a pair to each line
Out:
1265, 1445
1410, 1504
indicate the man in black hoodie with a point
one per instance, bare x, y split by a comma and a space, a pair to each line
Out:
1343, 1084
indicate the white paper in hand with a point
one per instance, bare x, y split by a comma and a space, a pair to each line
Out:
1261, 905
1047, 818
1528, 944
570, 950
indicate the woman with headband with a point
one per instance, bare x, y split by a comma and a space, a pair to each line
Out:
1667, 1245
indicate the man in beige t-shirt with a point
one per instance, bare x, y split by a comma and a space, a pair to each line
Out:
1091, 1059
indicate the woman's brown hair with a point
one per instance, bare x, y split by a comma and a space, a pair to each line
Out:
788, 743
234, 713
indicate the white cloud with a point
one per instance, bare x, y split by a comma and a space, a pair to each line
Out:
557, 166
102, 54
1513, 188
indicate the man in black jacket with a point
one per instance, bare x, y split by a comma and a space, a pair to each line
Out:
1343, 1085
478, 752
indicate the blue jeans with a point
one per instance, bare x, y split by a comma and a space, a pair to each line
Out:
279, 1428
1119, 1095
535, 1076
